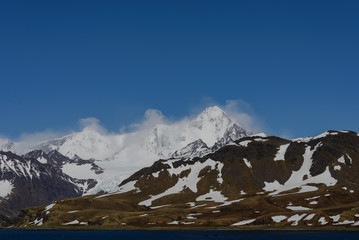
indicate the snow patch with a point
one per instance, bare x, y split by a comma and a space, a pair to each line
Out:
71, 223
296, 218
337, 168
278, 218
174, 222
156, 174
345, 222
272, 186
306, 188
48, 207
215, 196
244, 222
312, 198
248, 163
198, 206
263, 135
298, 208
322, 221
79, 171
325, 134
281, 152
42, 160
341, 159
260, 140
335, 218
74, 211
226, 203
192, 215
186, 223
303, 139
6, 188
310, 217
161, 206
245, 143
37, 222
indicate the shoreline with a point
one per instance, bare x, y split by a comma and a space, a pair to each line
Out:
315, 229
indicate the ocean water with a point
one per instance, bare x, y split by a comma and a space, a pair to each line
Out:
178, 234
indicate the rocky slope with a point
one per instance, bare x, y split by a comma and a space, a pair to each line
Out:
255, 182
38, 178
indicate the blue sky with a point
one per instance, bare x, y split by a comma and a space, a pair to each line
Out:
293, 65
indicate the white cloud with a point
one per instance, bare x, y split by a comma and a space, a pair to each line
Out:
152, 118
93, 124
26, 140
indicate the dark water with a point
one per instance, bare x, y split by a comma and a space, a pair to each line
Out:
187, 235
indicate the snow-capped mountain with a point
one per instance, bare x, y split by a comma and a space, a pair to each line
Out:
122, 154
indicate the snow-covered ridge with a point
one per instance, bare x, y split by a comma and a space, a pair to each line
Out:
322, 135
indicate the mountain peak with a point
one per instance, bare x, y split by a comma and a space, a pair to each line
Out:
213, 112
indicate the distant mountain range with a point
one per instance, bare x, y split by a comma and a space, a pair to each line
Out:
91, 161
256, 181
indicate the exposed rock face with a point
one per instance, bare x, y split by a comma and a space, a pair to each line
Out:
38, 178
256, 181
194, 149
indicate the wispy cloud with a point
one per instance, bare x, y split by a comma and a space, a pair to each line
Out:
151, 118
242, 112
93, 124
27, 140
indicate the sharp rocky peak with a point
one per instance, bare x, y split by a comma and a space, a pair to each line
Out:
213, 114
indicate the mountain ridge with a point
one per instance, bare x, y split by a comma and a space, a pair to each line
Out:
254, 182
38, 178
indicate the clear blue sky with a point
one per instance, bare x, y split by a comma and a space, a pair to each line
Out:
296, 63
